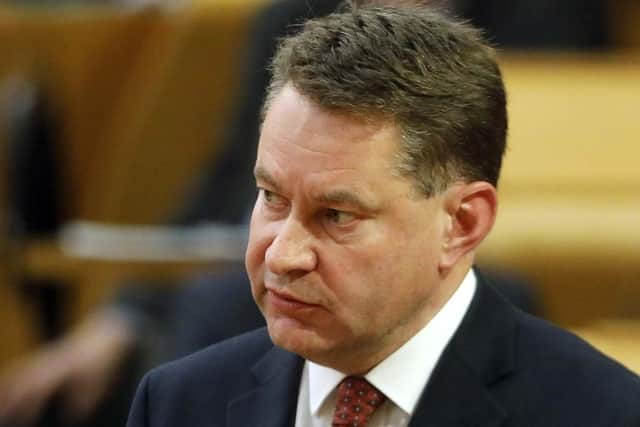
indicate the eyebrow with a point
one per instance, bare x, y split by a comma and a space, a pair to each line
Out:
347, 198
262, 175
335, 197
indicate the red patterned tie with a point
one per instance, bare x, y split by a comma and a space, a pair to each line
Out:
357, 400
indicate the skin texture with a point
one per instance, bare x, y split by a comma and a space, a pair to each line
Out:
346, 260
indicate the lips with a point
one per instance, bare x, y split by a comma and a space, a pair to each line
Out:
285, 302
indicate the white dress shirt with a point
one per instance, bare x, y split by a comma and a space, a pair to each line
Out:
402, 386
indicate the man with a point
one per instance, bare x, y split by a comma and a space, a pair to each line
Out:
383, 134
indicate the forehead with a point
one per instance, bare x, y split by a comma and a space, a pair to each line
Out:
296, 129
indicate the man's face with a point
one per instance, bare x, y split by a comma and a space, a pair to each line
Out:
343, 254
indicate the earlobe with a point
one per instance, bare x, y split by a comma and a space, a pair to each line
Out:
472, 210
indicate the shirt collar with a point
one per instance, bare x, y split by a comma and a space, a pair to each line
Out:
401, 385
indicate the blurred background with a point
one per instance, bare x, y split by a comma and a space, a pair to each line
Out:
127, 136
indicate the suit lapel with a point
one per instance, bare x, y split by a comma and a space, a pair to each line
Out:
479, 356
273, 401
454, 398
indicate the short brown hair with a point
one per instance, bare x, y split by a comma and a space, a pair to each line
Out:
436, 78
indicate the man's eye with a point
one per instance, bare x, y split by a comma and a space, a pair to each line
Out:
339, 217
271, 197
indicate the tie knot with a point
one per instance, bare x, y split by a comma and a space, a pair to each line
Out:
357, 400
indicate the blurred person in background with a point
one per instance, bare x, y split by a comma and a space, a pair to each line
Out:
95, 367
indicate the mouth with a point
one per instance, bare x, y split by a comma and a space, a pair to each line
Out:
288, 303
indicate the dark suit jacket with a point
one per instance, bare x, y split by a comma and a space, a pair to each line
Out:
501, 368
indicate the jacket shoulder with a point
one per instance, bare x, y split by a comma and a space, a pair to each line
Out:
572, 377
220, 360
196, 389
550, 346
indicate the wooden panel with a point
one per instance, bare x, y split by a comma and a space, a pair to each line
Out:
172, 114
570, 193
141, 97
166, 125
573, 123
81, 57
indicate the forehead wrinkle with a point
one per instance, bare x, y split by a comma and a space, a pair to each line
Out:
310, 144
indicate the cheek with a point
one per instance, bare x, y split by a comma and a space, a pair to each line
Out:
259, 241
354, 277
398, 271
253, 255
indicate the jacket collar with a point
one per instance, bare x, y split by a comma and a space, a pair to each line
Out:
273, 401
480, 354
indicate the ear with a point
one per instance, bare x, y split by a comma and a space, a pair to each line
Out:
472, 209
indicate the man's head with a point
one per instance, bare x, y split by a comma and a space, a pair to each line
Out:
380, 151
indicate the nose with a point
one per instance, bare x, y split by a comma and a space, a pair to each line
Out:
291, 252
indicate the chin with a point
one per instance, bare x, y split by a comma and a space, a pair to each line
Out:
296, 338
